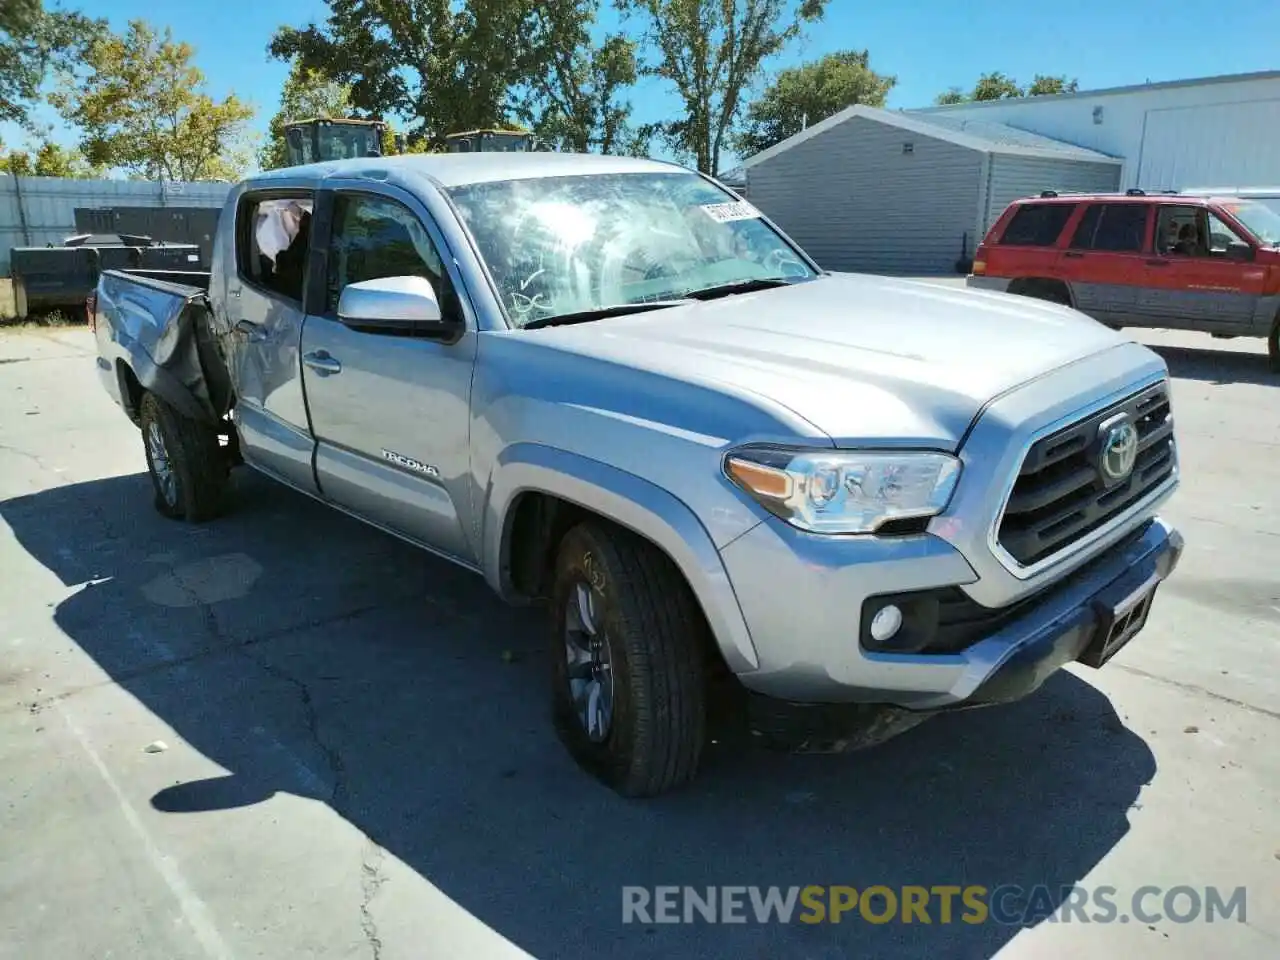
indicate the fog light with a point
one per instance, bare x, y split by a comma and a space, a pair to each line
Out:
886, 622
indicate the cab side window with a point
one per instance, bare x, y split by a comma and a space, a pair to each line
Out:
375, 237
1113, 227
272, 243
1193, 232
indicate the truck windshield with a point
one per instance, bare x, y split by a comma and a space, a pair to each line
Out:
1261, 220
560, 245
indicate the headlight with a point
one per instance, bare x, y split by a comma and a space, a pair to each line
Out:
832, 491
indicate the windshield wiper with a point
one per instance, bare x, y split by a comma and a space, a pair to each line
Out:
600, 313
739, 286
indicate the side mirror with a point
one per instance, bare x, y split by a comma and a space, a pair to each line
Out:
1239, 251
396, 305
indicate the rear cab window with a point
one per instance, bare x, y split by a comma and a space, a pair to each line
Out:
272, 243
1036, 225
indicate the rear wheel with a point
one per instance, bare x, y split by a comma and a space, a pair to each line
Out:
627, 646
188, 468
1054, 291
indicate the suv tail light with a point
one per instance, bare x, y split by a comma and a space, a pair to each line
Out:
980, 260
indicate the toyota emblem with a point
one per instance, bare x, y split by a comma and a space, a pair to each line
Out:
1119, 451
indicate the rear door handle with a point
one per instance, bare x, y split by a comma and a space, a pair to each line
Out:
322, 363
1157, 263
251, 332
1072, 255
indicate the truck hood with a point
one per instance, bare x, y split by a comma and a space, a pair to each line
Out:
860, 358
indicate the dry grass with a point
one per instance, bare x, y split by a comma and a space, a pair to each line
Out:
7, 307
8, 313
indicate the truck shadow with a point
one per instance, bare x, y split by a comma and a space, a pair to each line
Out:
306, 653
1217, 366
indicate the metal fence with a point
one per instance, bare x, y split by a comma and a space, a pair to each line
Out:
38, 211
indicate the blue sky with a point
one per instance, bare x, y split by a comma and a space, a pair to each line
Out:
928, 44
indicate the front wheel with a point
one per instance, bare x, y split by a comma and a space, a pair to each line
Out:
1273, 347
627, 645
188, 469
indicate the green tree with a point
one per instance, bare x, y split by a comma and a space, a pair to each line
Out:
1043, 86
32, 40
996, 86
573, 89
142, 107
809, 93
712, 51
443, 67
307, 93
49, 160
18, 163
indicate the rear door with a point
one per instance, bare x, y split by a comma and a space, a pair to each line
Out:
390, 412
262, 295
1104, 261
1191, 284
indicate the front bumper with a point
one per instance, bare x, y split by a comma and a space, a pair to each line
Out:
803, 612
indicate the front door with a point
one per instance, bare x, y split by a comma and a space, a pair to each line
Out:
1191, 283
390, 413
1104, 261
263, 298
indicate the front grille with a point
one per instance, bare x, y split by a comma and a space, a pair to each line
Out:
1061, 494
962, 621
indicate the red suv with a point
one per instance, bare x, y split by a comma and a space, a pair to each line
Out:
1138, 260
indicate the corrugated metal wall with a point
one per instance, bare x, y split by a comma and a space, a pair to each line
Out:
1213, 145
856, 201
37, 211
1012, 178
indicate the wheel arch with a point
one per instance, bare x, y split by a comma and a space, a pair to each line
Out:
1035, 286
536, 492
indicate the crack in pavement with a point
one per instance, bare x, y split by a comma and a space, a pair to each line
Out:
371, 876
127, 676
337, 769
371, 880
1196, 688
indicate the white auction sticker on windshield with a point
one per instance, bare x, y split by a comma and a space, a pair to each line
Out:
726, 212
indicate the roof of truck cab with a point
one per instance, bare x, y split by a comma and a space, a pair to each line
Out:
459, 169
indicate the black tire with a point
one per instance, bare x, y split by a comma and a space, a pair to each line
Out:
1051, 290
1273, 347
196, 462
655, 638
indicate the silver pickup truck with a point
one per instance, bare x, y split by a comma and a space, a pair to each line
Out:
614, 387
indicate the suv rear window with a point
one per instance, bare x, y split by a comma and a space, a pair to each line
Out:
1037, 225
1116, 227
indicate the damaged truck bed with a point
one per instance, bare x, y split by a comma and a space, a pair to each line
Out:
156, 332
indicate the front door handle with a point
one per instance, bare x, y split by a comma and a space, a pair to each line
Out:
1157, 263
322, 363
1072, 255
251, 332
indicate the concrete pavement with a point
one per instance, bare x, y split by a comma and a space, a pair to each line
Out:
284, 734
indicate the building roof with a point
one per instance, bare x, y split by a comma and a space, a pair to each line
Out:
457, 169
983, 136
933, 111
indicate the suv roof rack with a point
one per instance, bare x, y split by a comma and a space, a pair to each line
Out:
1135, 192
1048, 193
